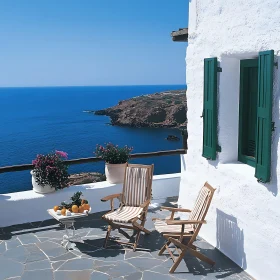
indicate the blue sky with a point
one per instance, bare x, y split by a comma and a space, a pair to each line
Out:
91, 42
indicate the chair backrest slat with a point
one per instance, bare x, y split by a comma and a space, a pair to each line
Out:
202, 204
137, 184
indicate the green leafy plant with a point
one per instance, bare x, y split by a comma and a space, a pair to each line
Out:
113, 153
51, 169
75, 200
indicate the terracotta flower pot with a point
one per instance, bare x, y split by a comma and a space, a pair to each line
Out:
39, 188
115, 172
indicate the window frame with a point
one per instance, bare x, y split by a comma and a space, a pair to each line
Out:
241, 157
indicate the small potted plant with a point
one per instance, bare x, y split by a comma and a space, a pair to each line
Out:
115, 161
50, 172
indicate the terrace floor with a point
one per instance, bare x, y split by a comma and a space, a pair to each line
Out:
33, 251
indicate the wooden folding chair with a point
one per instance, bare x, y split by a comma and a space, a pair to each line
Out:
182, 233
134, 202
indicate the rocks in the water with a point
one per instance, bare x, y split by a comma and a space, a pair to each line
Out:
165, 109
86, 178
172, 138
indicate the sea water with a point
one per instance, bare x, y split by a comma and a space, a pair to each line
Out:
40, 120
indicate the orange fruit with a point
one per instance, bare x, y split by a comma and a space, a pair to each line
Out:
63, 211
81, 209
84, 201
75, 209
56, 208
86, 206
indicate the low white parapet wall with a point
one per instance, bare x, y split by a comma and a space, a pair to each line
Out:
22, 207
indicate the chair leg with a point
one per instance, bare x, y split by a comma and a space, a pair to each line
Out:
107, 236
163, 248
141, 226
136, 240
201, 257
177, 262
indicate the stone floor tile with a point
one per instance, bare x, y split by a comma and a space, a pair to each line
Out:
120, 268
72, 275
35, 254
130, 254
52, 249
56, 265
19, 254
10, 268
148, 275
12, 243
162, 257
56, 234
45, 264
64, 257
96, 275
28, 238
97, 232
134, 276
46, 274
77, 264
87, 246
107, 254
42, 252
144, 263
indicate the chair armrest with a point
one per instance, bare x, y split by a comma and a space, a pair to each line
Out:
145, 204
174, 209
110, 197
184, 222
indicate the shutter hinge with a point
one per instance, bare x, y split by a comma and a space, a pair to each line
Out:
219, 69
273, 126
218, 148
276, 64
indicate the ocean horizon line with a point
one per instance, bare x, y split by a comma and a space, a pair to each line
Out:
83, 86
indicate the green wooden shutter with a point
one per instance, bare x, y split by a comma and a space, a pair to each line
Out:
210, 109
264, 116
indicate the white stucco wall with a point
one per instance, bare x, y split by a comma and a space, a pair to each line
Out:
244, 218
22, 207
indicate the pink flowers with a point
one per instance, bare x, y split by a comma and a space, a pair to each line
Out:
51, 169
62, 154
113, 153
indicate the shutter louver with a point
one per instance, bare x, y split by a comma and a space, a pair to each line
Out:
210, 109
264, 116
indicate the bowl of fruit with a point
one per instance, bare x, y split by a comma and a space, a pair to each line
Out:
75, 206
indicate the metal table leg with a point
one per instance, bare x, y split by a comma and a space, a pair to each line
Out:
69, 236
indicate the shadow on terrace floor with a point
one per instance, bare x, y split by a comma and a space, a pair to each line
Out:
33, 251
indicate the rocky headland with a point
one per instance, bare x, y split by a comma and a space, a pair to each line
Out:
165, 109
86, 178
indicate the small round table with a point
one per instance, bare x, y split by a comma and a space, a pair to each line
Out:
68, 222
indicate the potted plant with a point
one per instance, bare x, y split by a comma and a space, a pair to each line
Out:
50, 172
115, 161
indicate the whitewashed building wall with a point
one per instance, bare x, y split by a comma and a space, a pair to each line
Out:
244, 219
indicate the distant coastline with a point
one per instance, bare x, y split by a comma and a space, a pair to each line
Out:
159, 110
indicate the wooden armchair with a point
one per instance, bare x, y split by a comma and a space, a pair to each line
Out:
134, 202
182, 233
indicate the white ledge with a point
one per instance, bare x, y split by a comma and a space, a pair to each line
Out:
28, 206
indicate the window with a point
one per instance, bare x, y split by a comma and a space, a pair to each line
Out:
255, 112
248, 111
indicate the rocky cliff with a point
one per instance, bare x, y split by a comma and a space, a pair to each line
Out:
164, 109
